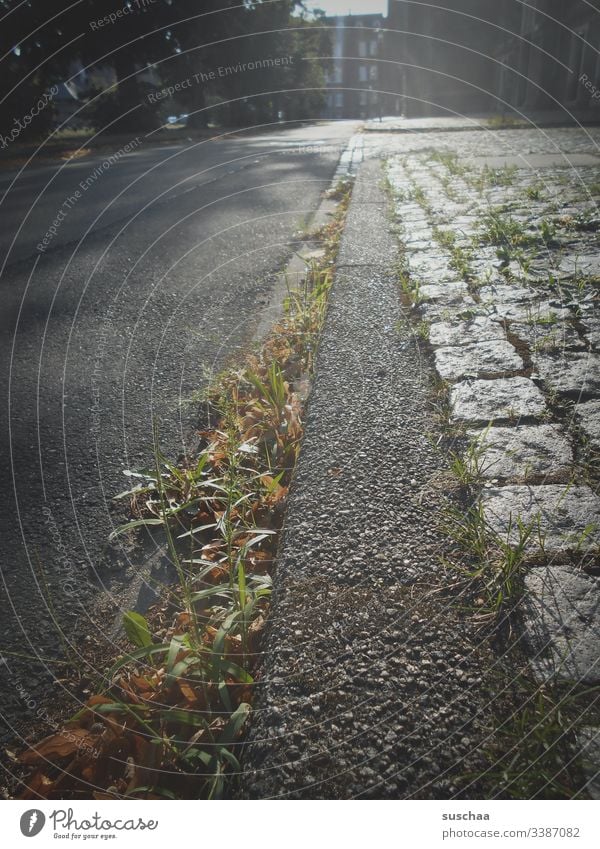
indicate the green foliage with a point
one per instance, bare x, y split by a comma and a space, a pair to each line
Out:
494, 570
533, 753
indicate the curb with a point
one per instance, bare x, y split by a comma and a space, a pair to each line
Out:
367, 689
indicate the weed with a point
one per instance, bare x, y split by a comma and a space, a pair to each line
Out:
534, 191
501, 122
547, 232
450, 161
410, 287
419, 196
548, 319
534, 753
468, 467
496, 567
502, 229
168, 720
459, 258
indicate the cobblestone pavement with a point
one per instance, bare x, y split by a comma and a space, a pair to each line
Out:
501, 268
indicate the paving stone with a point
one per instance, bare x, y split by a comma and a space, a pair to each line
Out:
533, 311
546, 336
518, 453
506, 294
571, 373
492, 400
478, 329
592, 332
435, 311
430, 267
588, 740
580, 265
562, 610
482, 359
589, 415
564, 514
414, 245
451, 290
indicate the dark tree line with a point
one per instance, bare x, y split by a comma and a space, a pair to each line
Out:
223, 47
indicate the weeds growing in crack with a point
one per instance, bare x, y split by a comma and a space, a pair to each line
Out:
468, 466
501, 229
491, 565
450, 161
494, 178
169, 720
460, 259
534, 752
410, 287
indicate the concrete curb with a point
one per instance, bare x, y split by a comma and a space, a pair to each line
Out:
365, 690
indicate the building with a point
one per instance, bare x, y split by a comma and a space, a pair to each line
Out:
553, 60
439, 53
461, 57
354, 80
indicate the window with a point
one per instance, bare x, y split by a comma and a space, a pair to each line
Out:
339, 99
373, 48
362, 98
373, 72
363, 75
362, 48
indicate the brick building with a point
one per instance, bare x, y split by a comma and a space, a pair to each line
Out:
556, 51
354, 79
498, 56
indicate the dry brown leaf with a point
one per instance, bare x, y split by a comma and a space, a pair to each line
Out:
59, 745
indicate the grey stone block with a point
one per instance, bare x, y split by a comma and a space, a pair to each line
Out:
589, 416
569, 517
451, 290
435, 311
580, 265
542, 337
478, 329
518, 453
570, 373
562, 610
492, 400
528, 311
482, 359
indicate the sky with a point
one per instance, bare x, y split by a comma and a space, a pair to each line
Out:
355, 7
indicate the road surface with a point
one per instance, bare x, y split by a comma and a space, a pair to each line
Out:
123, 285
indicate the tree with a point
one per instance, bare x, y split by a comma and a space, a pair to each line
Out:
231, 51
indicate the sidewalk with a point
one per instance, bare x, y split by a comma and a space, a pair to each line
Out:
371, 685
456, 123
374, 684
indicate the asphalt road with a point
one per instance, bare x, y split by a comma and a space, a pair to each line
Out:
150, 277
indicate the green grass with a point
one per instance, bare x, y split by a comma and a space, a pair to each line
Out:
174, 705
534, 753
495, 564
500, 228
